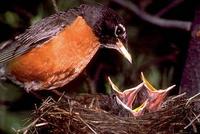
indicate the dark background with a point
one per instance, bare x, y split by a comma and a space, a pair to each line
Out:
158, 52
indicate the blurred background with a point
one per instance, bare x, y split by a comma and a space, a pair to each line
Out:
158, 52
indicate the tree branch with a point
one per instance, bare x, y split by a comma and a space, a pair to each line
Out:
169, 7
165, 23
55, 5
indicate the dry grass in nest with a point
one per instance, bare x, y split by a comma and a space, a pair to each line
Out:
178, 115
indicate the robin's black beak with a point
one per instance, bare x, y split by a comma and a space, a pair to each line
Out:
121, 48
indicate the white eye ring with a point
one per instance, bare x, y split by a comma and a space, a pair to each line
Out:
123, 28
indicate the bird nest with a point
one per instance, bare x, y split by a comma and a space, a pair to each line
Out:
98, 114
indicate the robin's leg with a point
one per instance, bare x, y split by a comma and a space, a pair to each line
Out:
60, 94
90, 83
37, 95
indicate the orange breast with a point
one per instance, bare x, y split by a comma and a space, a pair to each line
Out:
58, 61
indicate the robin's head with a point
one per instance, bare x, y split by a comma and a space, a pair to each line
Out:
108, 26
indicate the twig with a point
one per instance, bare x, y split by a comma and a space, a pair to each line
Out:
41, 124
169, 7
25, 129
165, 23
195, 116
87, 125
179, 96
190, 99
61, 95
55, 5
192, 121
92, 103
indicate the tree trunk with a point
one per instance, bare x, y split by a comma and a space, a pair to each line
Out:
190, 82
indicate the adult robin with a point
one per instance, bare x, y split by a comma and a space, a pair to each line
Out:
54, 51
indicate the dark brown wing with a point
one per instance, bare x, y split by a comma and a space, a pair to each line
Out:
36, 34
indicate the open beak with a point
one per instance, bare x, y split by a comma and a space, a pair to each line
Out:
114, 87
139, 111
127, 96
156, 97
123, 51
150, 88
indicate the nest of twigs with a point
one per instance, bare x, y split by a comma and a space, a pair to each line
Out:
98, 114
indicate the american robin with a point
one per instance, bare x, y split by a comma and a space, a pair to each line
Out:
55, 50
153, 101
128, 95
155, 97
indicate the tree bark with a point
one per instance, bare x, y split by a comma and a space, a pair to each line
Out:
190, 82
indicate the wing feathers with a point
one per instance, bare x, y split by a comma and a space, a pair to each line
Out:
36, 34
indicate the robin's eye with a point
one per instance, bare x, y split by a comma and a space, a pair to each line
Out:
120, 31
